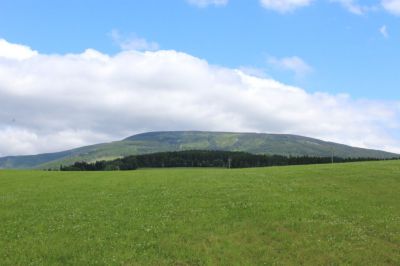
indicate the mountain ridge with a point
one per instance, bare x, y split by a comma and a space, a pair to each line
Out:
159, 141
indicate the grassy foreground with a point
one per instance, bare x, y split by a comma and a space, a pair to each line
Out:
318, 214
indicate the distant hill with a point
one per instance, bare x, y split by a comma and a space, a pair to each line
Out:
257, 143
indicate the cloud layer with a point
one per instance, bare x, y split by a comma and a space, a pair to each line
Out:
54, 102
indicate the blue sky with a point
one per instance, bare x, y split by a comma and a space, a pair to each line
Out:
346, 52
75, 73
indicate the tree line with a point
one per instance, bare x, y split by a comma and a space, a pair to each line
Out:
203, 158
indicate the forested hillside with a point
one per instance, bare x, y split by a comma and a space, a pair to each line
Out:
152, 142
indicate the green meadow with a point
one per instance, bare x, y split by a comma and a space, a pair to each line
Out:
342, 214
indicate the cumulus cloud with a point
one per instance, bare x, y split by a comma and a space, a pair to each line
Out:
284, 6
133, 42
54, 102
205, 3
15, 51
392, 6
294, 64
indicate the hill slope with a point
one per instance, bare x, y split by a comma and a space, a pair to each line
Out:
258, 143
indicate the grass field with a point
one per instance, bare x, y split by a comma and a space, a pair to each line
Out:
318, 214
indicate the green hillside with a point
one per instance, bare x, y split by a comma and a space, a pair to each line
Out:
342, 214
190, 140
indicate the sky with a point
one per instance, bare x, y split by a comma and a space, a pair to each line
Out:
75, 73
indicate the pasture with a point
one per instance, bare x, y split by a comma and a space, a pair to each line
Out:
315, 214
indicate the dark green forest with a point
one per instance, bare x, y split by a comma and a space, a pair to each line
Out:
203, 158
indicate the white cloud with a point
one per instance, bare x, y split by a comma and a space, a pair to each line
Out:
133, 42
284, 6
295, 64
15, 140
205, 3
392, 6
354, 7
383, 30
54, 102
15, 51
254, 71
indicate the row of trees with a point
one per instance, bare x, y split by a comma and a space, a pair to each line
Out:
200, 158
126, 163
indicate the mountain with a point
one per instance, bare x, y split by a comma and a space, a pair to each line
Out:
258, 143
